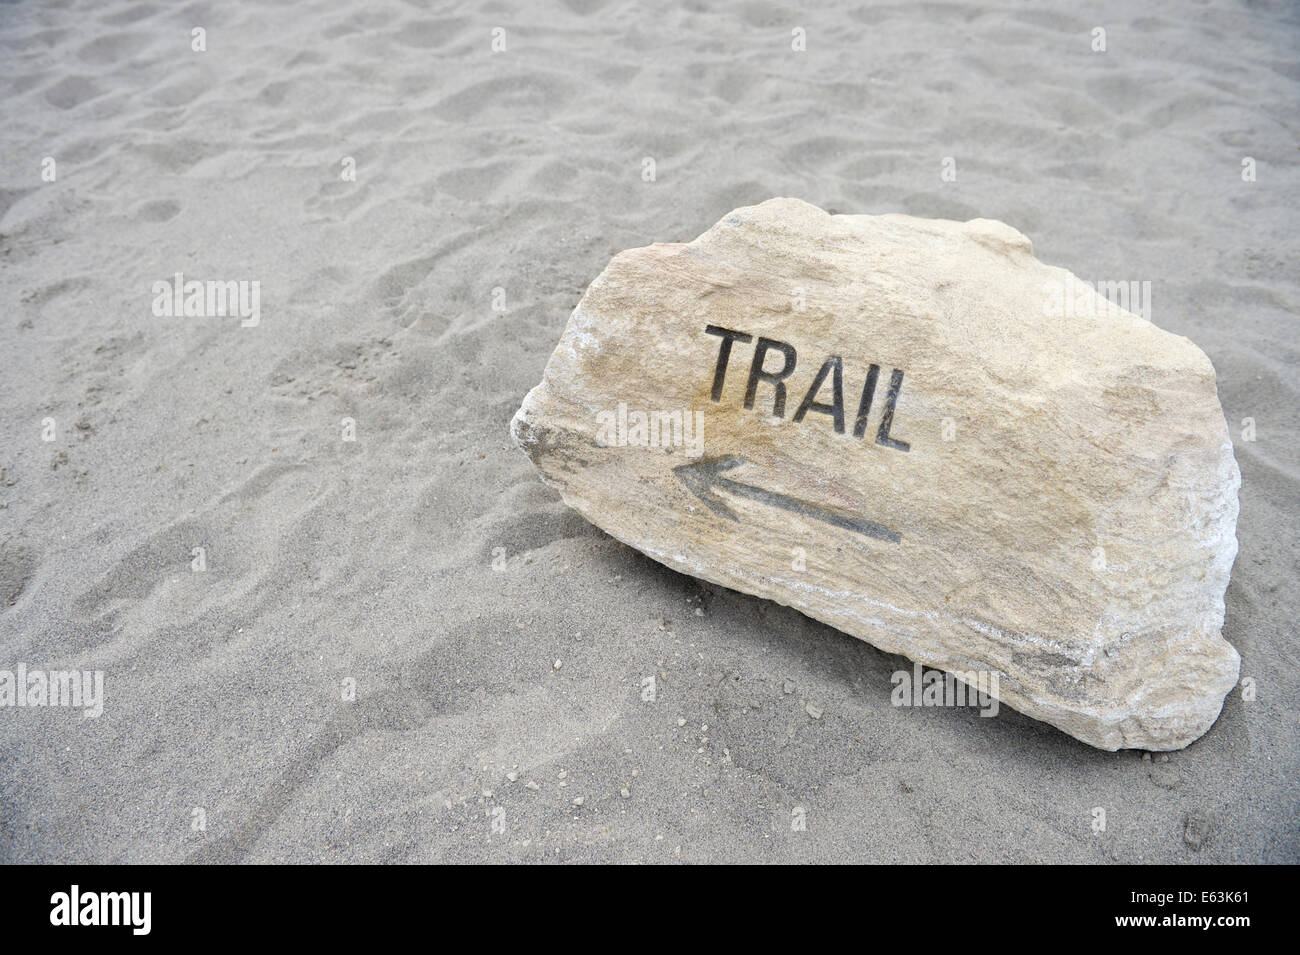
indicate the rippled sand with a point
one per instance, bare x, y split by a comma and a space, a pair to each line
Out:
372, 560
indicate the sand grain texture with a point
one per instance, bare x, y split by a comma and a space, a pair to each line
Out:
373, 560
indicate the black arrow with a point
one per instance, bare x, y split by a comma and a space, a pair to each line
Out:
705, 477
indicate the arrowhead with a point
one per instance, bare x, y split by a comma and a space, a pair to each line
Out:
699, 476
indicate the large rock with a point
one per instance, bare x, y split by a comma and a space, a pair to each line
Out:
913, 430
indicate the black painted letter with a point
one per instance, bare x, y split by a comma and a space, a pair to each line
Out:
724, 354
886, 420
774, 378
836, 408
864, 406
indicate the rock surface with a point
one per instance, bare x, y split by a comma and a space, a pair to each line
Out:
916, 432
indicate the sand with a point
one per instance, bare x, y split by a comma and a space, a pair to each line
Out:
498, 712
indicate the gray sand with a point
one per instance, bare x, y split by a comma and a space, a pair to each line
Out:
372, 560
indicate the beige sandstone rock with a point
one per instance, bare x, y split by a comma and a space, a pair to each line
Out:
1036, 485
